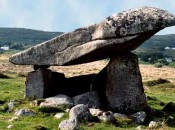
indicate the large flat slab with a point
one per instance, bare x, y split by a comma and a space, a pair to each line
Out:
118, 33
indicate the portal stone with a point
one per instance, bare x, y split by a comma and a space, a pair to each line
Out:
124, 88
36, 83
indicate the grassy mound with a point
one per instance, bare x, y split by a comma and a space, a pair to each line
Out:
156, 82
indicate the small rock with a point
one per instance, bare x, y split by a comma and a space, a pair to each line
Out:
154, 125
80, 112
59, 115
67, 110
11, 106
170, 107
118, 115
91, 99
107, 117
139, 127
70, 124
24, 112
10, 127
57, 101
95, 112
90, 124
13, 118
139, 117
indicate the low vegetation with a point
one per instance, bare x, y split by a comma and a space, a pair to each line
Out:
159, 93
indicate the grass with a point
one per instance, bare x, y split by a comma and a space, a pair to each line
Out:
12, 88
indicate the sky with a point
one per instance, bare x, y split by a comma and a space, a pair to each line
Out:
68, 15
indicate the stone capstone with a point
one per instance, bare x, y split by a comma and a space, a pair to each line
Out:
117, 33
90, 99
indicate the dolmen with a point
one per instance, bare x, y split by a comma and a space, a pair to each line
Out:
119, 84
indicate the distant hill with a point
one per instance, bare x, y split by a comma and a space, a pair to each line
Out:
21, 38
157, 45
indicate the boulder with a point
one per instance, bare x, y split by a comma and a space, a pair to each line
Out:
117, 33
80, 112
170, 107
90, 99
139, 117
70, 124
57, 100
107, 117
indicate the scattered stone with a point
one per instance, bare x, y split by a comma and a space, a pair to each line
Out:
139, 117
154, 125
67, 110
10, 127
90, 124
139, 127
24, 112
170, 107
70, 124
37, 102
91, 99
57, 101
13, 118
107, 117
80, 112
95, 112
59, 115
10, 106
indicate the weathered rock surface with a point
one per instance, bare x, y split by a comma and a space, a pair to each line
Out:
120, 32
57, 101
80, 112
123, 88
36, 83
139, 117
70, 124
90, 99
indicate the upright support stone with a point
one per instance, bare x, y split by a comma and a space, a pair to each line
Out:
124, 88
37, 83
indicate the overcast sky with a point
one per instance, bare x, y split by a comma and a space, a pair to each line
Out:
67, 15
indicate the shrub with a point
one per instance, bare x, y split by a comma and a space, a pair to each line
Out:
156, 82
3, 76
172, 64
158, 65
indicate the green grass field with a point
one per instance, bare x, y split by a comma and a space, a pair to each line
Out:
12, 88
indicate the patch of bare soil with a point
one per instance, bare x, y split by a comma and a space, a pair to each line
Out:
148, 72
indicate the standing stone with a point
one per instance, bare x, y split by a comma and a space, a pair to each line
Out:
37, 83
124, 88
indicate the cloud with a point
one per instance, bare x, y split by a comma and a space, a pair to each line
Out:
67, 15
